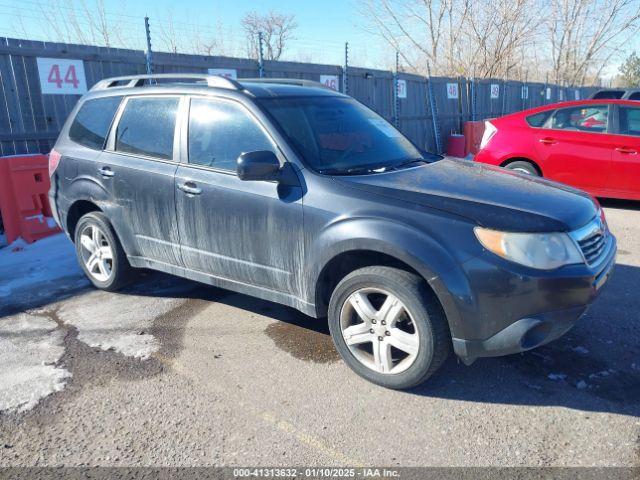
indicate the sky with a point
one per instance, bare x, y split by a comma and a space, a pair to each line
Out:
323, 26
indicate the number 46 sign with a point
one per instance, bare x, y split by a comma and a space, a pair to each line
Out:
62, 77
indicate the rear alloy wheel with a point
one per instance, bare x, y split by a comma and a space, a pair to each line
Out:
388, 326
100, 254
96, 253
523, 167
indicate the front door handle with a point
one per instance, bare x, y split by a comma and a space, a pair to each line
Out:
190, 188
548, 141
626, 150
106, 172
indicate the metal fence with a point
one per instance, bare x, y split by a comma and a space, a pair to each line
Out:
30, 119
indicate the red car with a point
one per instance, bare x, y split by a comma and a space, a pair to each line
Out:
590, 144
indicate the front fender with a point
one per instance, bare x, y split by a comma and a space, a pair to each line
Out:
415, 248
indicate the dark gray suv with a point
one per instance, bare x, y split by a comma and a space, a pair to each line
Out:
297, 194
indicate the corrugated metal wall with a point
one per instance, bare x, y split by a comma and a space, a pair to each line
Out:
30, 121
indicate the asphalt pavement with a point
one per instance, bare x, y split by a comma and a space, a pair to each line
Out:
174, 373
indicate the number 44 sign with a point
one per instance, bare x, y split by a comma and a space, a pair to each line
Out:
61, 77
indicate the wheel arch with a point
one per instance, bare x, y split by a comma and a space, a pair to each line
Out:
343, 263
77, 210
535, 164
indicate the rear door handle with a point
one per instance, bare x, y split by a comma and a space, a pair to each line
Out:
627, 150
106, 172
548, 141
190, 188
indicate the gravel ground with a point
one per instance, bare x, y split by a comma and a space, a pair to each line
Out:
173, 373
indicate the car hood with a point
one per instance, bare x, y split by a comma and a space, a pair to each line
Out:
490, 196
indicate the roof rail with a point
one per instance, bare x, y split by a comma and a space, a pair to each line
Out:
139, 80
286, 81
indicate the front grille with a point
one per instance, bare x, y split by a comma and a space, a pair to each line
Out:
593, 246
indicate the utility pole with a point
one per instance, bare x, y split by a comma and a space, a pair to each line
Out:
148, 52
345, 75
474, 106
260, 56
546, 86
396, 100
434, 111
504, 97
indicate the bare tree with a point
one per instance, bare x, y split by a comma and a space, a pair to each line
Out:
571, 40
585, 35
277, 29
457, 37
166, 33
215, 41
81, 21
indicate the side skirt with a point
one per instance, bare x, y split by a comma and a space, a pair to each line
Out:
254, 291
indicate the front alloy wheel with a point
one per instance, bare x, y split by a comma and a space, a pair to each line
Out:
379, 330
388, 326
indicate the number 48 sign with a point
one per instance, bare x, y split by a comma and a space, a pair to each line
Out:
61, 77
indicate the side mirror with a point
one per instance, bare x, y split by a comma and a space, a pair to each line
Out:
259, 165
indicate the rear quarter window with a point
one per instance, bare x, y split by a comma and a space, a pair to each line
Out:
634, 96
539, 119
91, 125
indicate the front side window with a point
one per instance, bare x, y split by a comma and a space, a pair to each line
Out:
582, 119
337, 135
630, 121
91, 125
147, 127
220, 131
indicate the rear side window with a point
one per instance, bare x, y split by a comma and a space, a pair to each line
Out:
630, 121
634, 96
582, 119
539, 119
219, 132
147, 127
91, 125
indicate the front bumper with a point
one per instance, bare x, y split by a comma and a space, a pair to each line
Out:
520, 336
521, 312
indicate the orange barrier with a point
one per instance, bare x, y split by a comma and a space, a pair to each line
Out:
473, 132
24, 201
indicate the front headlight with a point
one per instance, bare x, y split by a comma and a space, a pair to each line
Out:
544, 251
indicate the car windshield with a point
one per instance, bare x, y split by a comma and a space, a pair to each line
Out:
339, 136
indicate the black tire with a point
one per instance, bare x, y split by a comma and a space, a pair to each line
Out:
523, 166
121, 271
426, 313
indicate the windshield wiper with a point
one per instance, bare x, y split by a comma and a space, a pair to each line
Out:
374, 169
354, 171
408, 163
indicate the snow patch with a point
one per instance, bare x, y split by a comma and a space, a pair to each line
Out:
556, 376
23, 265
116, 321
30, 347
